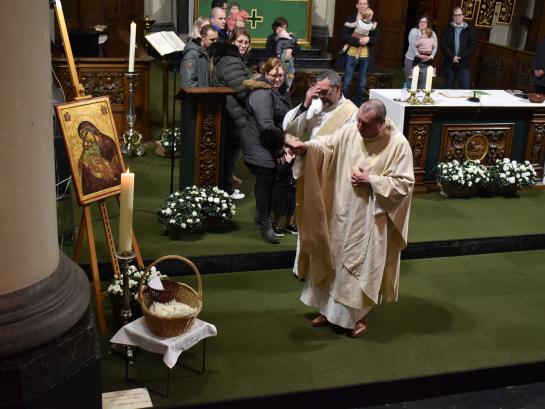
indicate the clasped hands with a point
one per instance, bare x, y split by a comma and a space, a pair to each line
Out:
360, 177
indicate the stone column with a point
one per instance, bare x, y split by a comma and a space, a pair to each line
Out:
46, 332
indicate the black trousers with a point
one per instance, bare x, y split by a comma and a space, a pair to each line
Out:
264, 186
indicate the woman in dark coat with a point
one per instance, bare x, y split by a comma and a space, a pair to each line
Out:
262, 138
229, 70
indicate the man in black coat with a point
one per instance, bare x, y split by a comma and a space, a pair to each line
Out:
458, 44
538, 68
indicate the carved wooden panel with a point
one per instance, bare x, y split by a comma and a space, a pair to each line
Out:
504, 68
419, 134
207, 146
104, 83
491, 141
535, 150
482, 12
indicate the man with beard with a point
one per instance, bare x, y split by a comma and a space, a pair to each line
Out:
324, 110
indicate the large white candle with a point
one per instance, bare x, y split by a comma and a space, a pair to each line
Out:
125, 211
414, 82
132, 46
429, 78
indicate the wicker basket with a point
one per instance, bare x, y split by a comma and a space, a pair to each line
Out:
170, 327
536, 98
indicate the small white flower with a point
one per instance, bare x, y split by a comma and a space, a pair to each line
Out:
172, 221
183, 225
193, 213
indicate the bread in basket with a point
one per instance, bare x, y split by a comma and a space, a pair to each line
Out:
183, 293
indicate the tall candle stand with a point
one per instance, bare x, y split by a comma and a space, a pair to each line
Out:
132, 139
125, 259
428, 100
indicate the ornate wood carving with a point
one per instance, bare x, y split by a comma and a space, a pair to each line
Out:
504, 68
498, 140
104, 83
208, 152
493, 63
535, 150
419, 136
482, 12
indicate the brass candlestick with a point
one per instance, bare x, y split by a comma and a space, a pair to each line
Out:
428, 100
413, 99
132, 139
125, 259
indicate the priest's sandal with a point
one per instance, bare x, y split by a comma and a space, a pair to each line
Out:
360, 328
320, 321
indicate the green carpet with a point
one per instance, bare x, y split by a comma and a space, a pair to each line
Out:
453, 314
433, 217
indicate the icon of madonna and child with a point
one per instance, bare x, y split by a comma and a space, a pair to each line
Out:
99, 163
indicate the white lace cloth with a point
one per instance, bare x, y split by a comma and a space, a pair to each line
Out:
138, 334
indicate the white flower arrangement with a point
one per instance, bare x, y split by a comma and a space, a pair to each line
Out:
507, 172
467, 174
135, 274
185, 211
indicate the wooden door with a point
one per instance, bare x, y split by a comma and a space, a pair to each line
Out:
391, 16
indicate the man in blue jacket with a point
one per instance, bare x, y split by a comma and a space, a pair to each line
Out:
458, 45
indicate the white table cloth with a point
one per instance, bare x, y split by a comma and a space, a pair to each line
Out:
395, 110
138, 334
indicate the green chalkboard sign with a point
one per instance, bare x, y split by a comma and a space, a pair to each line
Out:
262, 14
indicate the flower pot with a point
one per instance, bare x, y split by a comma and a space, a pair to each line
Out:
509, 190
460, 191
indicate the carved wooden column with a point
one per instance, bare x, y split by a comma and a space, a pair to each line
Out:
419, 134
535, 149
202, 118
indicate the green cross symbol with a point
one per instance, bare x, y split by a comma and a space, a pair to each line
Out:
254, 19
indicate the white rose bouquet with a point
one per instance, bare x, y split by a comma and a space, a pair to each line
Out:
510, 173
468, 174
115, 288
186, 211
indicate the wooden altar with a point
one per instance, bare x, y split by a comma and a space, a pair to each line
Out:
104, 77
504, 125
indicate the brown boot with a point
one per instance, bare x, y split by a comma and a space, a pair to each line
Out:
360, 328
319, 321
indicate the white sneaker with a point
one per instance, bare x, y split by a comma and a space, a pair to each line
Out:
237, 195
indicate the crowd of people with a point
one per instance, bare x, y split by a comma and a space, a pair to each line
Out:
340, 159
260, 110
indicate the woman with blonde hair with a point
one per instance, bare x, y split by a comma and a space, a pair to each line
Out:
262, 139
197, 25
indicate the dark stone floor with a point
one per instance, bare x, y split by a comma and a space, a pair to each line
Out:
531, 396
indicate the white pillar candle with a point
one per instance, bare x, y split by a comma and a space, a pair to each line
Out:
429, 78
132, 46
125, 211
414, 82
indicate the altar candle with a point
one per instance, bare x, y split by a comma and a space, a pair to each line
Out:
414, 82
125, 211
132, 46
429, 78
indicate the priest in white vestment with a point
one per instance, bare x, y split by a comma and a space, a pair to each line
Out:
323, 111
355, 188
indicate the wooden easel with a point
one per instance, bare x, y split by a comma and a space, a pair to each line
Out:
86, 223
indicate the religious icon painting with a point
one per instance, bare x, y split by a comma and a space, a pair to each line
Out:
92, 147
